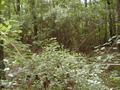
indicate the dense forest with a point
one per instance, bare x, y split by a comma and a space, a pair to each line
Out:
59, 44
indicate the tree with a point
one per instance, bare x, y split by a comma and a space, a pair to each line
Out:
111, 18
34, 17
2, 65
18, 7
118, 16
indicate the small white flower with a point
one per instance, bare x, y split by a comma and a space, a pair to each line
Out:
6, 69
5, 60
10, 75
93, 82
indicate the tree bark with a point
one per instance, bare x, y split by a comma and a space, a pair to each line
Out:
2, 65
18, 7
34, 17
118, 16
111, 19
85, 3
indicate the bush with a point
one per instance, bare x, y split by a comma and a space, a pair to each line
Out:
54, 68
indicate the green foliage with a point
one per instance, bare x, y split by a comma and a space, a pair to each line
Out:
56, 67
9, 31
58, 24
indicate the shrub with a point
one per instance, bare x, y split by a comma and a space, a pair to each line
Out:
54, 68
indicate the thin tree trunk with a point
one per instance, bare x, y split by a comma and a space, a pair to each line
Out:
18, 7
2, 65
85, 3
106, 25
110, 19
113, 17
34, 17
86, 21
118, 16
9, 9
110, 25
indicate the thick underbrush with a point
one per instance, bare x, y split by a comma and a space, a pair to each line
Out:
52, 69
55, 68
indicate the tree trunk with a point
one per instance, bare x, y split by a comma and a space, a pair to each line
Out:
85, 3
118, 16
111, 23
18, 7
9, 9
86, 21
2, 65
106, 26
34, 17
